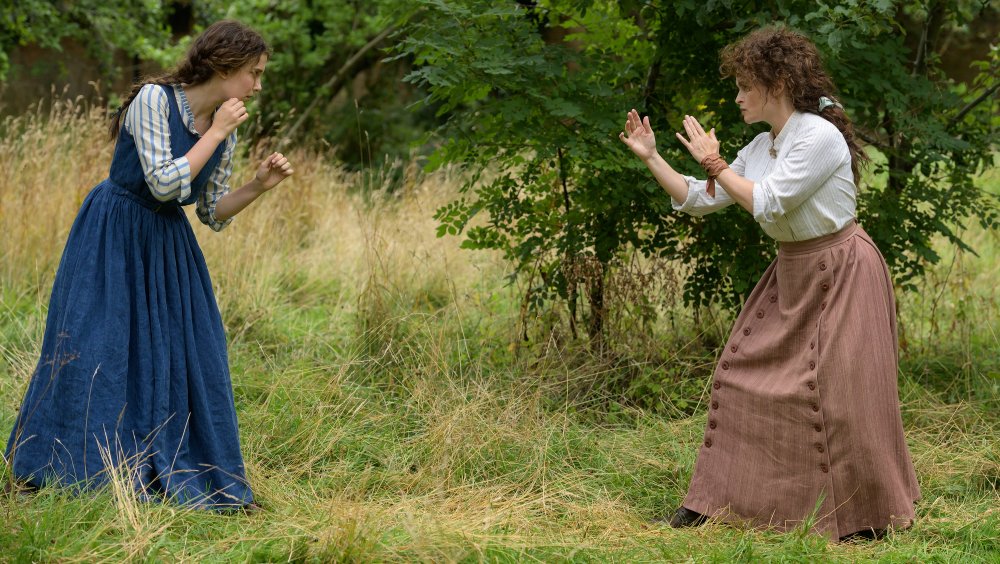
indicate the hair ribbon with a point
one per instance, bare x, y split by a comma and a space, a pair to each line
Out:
825, 103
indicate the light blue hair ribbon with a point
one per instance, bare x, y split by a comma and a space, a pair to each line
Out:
825, 103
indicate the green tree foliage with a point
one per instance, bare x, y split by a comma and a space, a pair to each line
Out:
102, 26
541, 118
937, 136
535, 95
321, 49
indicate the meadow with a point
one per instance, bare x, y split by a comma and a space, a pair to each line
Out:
391, 410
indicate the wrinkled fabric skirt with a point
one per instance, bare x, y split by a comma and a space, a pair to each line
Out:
804, 427
133, 380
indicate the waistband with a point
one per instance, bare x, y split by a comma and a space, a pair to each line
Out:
152, 205
810, 245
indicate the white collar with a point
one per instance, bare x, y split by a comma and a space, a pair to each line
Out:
791, 124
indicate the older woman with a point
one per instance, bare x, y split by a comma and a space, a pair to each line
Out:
804, 423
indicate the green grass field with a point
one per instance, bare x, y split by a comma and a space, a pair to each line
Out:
390, 411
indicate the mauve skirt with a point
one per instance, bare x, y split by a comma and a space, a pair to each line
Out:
803, 424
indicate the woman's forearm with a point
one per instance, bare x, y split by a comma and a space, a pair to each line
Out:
199, 155
668, 178
236, 201
739, 189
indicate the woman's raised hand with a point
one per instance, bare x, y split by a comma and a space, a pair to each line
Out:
273, 170
229, 116
699, 143
640, 136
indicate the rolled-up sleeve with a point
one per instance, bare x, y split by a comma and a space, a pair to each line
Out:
147, 120
809, 163
217, 187
698, 202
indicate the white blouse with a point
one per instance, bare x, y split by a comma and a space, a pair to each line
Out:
169, 176
806, 192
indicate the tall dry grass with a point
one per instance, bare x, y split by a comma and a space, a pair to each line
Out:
50, 158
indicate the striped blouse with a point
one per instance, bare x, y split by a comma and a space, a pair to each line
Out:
169, 176
806, 192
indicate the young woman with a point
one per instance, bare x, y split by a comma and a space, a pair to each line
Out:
134, 376
804, 423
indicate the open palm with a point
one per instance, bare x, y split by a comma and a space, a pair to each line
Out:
698, 143
640, 136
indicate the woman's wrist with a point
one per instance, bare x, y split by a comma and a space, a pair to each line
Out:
714, 165
215, 135
255, 186
652, 158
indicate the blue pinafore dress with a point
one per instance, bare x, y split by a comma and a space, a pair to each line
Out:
133, 380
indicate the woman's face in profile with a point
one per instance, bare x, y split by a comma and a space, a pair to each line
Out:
751, 99
244, 82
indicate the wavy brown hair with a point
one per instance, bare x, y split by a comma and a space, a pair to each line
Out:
223, 47
777, 58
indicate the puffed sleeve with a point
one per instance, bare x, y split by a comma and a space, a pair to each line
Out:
147, 120
217, 187
816, 153
698, 202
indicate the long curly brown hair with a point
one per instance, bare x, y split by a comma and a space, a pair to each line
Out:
223, 47
777, 58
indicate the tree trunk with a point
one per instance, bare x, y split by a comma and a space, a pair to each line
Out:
568, 259
595, 326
